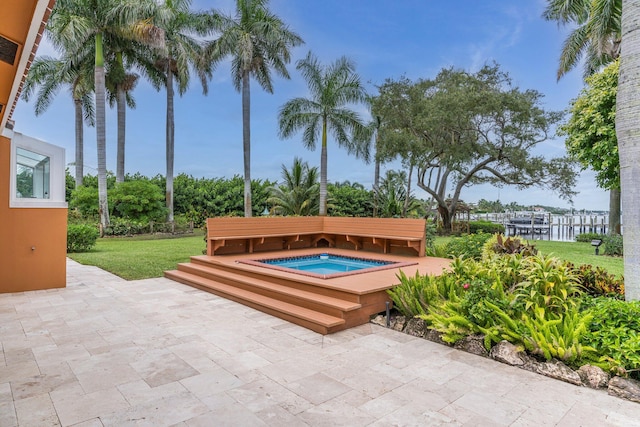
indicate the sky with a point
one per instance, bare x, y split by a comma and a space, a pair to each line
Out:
386, 39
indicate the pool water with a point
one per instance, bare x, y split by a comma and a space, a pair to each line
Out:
325, 263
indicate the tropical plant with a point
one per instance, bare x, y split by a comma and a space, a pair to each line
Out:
468, 246
325, 111
394, 199
597, 281
49, 75
183, 52
298, 194
258, 41
79, 24
499, 245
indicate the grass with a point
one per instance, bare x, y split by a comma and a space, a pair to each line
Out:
142, 257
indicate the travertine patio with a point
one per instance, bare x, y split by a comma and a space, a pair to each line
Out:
106, 352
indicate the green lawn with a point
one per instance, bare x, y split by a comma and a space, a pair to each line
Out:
142, 257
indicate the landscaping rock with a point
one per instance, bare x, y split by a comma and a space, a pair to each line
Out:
379, 320
473, 344
558, 370
398, 322
508, 353
416, 327
435, 336
625, 389
593, 376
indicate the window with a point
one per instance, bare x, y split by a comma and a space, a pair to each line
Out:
37, 174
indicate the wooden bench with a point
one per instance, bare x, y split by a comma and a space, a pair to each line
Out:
247, 235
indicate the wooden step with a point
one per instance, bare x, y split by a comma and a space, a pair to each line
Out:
315, 301
314, 320
300, 282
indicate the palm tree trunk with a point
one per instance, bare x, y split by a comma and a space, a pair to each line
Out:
614, 211
79, 142
122, 112
628, 133
101, 137
323, 171
246, 141
376, 180
170, 143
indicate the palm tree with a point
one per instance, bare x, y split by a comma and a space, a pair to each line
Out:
80, 23
627, 130
395, 197
598, 35
48, 75
183, 52
298, 194
258, 41
332, 89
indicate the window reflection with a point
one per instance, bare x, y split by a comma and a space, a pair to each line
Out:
32, 174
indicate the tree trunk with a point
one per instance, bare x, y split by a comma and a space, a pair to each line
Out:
376, 179
170, 134
614, 211
246, 141
323, 171
407, 197
628, 133
122, 119
446, 218
101, 137
79, 142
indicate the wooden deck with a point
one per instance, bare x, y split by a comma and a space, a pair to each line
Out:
322, 305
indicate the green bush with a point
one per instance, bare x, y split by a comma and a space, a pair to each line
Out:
613, 245
468, 246
588, 237
81, 238
123, 227
85, 200
614, 331
415, 294
139, 200
486, 227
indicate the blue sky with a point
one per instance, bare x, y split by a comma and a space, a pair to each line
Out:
386, 39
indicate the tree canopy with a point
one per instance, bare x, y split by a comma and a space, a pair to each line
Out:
463, 128
591, 128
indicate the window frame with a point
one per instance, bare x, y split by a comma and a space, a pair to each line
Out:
56, 173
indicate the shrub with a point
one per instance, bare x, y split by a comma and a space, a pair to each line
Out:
468, 246
614, 331
588, 237
81, 238
139, 200
596, 281
123, 227
415, 294
511, 245
549, 283
485, 227
613, 245
85, 200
